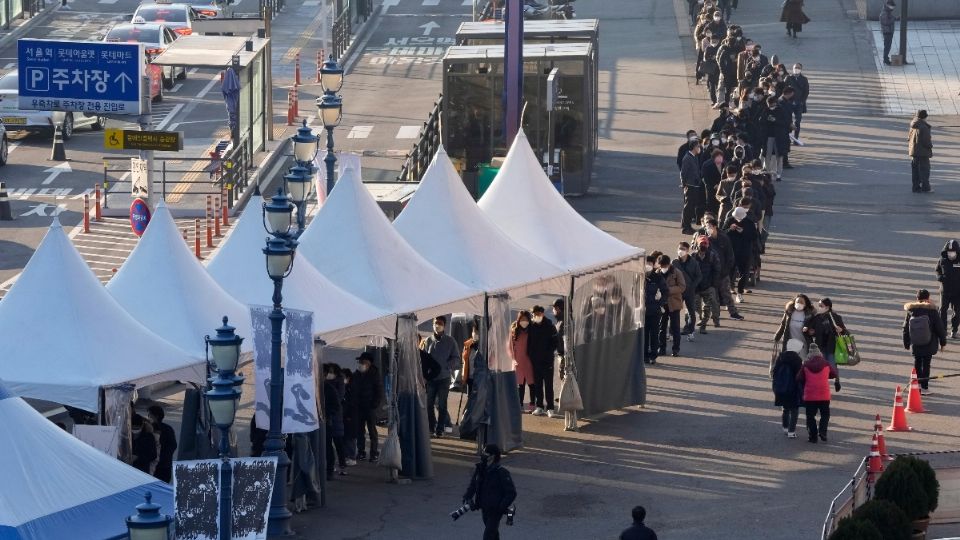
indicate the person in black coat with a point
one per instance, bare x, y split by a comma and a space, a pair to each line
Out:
541, 344
923, 352
369, 390
144, 444
333, 408
491, 490
656, 293
776, 136
948, 274
825, 326
743, 237
168, 444
638, 531
786, 389
682, 150
711, 173
799, 82
351, 416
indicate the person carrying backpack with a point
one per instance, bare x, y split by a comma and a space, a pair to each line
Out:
924, 331
786, 389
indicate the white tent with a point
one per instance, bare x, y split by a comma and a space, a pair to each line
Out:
165, 287
65, 337
239, 266
523, 202
55, 486
351, 241
444, 224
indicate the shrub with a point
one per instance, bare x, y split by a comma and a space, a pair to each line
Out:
901, 486
851, 528
889, 519
928, 479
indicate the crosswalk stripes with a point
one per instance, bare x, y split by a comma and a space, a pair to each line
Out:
360, 132
408, 132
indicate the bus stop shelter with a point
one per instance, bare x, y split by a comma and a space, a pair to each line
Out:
249, 56
560, 115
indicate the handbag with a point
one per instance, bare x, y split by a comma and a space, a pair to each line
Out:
845, 351
570, 400
390, 456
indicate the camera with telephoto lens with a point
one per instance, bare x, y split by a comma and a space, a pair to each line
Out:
512, 511
459, 512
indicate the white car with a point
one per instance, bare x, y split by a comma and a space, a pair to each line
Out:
15, 119
176, 17
155, 38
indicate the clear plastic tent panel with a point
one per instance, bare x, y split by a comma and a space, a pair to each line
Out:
505, 425
411, 402
117, 400
607, 313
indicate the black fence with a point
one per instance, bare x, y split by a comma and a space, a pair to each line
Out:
342, 27
419, 157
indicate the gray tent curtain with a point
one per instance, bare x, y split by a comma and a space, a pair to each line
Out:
410, 398
117, 411
607, 313
505, 427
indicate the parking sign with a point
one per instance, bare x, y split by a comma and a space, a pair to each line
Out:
81, 76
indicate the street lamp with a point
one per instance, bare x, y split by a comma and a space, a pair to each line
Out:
277, 215
148, 523
299, 181
222, 399
305, 144
330, 107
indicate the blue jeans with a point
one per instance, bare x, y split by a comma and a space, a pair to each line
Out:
437, 392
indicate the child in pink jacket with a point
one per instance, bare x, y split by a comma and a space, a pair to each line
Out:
815, 377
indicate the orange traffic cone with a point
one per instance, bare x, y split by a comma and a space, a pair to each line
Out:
914, 402
881, 443
899, 421
874, 462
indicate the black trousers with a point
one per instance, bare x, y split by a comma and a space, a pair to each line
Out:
823, 407
335, 443
651, 333
922, 365
920, 171
691, 318
743, 268
543, 386
789, 418
694, 199
491, 524
673, 317
950, 302
887, 42
368, 421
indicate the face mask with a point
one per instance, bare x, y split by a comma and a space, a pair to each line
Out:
136, 432
796, 71
649, 268
682, 252
693, 139
664, 270
799, 306
538, 319
821, 309
714, 42
438, 328
951, 255
736, 218
710, 231
364, 368
756, 53
715, 142
756, 97
716, 18
331, 376
476, 336
524, 324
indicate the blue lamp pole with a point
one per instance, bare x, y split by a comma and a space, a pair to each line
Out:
330, 107
222, 399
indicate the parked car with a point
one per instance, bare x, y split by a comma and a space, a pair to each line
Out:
176, 17
155, 38
16, 119
210, 9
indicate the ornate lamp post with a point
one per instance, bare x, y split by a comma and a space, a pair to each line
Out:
222, 399
299, 181
148, 523
330, 107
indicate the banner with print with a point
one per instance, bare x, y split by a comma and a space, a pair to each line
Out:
299, 382
260, 318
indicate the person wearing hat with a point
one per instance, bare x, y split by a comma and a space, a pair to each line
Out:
690, 268
888, 24
921, 150
694, 195
369, 389
743, 237
491, 490
786, 390
705, 298
444, 351
924, 333
814, 376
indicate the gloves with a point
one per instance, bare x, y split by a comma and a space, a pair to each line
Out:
836, 385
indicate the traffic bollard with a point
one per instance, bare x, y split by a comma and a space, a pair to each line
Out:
225, 209
216, 217
196, 237
98, 215
208, 224
185, 237
86, 213
290, 118
296, 104
6, 214
296, 70
319, 63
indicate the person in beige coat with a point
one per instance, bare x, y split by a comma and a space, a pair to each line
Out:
676, 285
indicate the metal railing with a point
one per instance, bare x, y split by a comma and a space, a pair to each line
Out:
853, 494
341, 32
364, 9
420, 156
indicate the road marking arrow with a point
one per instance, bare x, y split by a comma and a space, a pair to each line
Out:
123, 79
387, 4
56, 171
427, 28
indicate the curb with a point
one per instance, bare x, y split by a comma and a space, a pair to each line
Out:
38, 19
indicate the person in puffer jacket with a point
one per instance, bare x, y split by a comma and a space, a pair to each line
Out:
815, 377
948, 274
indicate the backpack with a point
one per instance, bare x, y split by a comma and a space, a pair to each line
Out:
783, 380
919, 329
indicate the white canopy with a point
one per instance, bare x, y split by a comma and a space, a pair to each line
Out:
240, 267
523, 202
351, 241
64, 337
55, 486
444, 224
165, 287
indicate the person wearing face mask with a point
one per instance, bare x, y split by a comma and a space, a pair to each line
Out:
144, 444
491, 490
788, 104
655, 298
705, 295
709, 67
690, 268
721, 244
717, 26
676, 285
801, 85
793, 15
369, 388
691, 137
796, 316
522, 365
443, 349
694, 194
756, 62
824, 327
726, 190
712, 172
743, 237
924, 334
541, 345
786, 390
948, 274
730, 47
776, 134
168, 443
333, 411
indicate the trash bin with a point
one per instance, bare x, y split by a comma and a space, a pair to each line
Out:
485, 175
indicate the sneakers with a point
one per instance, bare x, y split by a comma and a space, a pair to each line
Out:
361, 456
739, 298
690, 337
350, 462
675, 354
686, 331
886, 61
529, 408
374, 457
448, 429
538, 412
554, 414
791, 435
925, 392
737, 316
703, 330
785, 431
716, 323
955, 335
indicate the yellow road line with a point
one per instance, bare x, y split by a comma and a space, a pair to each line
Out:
305, 36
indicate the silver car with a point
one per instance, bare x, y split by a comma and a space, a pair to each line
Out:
15, 119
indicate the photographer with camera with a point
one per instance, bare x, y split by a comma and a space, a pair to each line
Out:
492, 491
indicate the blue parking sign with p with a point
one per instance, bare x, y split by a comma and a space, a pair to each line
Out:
80, 76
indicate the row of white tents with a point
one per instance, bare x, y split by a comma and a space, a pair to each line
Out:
68, 339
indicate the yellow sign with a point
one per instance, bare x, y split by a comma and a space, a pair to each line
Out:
122, 139
113, 139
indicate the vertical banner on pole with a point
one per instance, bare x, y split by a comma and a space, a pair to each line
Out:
260, 319
513, 69
196, 496
299, 386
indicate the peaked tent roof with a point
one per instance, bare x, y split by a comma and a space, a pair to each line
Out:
444, 224
56, 486
523, 202
354, 244
65, 337
239, 266
164, 286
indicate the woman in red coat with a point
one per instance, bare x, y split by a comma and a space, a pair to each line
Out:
815, 378
519, 333
794, 16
